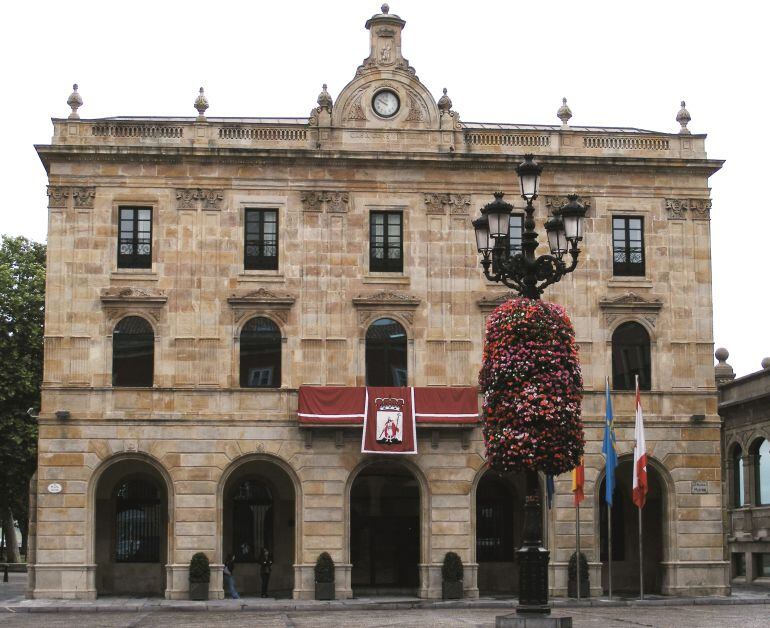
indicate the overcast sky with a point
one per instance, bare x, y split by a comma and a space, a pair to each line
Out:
618, 63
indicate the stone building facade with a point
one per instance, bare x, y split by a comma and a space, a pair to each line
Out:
197, 438
744, 405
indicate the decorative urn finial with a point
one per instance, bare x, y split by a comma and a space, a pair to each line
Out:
325, 100
74, 101
683, 117
201, 104
444, 103
765, 363
385, 9
564, 113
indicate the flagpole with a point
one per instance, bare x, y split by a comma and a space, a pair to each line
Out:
577, 546
641, 560
609, 548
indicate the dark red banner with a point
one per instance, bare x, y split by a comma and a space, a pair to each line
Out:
389, 424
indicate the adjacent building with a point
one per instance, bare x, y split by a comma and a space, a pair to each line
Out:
201, 270
744, 405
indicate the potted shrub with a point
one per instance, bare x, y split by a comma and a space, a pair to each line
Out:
572, 574
324, 577
452, 577
200, 574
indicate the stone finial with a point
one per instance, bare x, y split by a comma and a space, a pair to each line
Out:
683, 117
325, 100
564, 113
765, 363
201, 104
723, 372
445, 103
74, 101
385, 9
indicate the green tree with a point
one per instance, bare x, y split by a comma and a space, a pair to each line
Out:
22, 301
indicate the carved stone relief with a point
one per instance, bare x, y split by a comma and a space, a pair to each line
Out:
556, 202
333, 202
356, 109
83, 197
416, 111
57, 196
385, 303
699, 208
199, 198
459, 204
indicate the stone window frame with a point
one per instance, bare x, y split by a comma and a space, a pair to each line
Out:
112, 350
387, 276
280, 205
386, 304
643, 265
262, 263
282, 341
153, 204
611, 370
265, 304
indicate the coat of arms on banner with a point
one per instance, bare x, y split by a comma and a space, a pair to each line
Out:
390, 420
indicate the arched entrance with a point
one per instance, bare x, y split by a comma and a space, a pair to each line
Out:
499, 524
385, 531
625, 532
259, 510
131, 530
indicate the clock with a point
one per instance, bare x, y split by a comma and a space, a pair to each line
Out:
386, 103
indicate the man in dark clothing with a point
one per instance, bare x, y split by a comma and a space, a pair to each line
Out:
266, 566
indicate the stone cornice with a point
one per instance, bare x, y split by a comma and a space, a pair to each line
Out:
276, 155
395, 300
137, 297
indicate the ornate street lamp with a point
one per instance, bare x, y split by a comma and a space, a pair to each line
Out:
523, 272
529, 276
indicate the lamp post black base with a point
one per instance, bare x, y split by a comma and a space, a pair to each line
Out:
515, 620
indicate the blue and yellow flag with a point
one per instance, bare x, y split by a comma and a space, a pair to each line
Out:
608, 447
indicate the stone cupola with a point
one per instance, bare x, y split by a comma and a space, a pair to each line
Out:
385, 39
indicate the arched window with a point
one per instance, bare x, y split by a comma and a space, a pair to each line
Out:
736, 461
386, 354
138, 522
761, 451
260, 354
133, 348
630, 357
252, 520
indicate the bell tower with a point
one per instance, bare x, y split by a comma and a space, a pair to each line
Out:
385, 37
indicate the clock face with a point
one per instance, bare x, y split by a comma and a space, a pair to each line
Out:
385, 103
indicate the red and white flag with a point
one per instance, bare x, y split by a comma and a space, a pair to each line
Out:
640, 455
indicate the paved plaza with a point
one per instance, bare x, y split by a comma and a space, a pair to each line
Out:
748, 608
746, 616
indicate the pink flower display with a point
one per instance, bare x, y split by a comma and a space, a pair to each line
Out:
532, 385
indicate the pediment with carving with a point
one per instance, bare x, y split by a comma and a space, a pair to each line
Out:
490, 302
262, 297
630, 303
387, 298
132, 296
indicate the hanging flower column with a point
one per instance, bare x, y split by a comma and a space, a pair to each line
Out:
532, 385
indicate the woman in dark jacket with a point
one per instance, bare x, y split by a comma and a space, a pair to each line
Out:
266, 566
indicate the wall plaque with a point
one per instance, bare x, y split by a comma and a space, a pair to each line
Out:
699, 487
54, 487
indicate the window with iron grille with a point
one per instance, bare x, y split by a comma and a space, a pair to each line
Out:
138, 522
135, 237
260, 250
494, 521
386, 242
627, 246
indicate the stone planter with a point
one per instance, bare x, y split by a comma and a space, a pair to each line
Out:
199, 590
324, 590
452, 590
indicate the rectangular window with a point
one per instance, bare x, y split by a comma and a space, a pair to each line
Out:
515, 231
261, 239
628, 246
135, 237
386, 242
